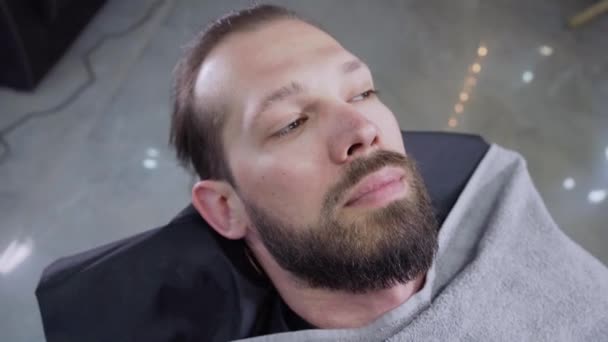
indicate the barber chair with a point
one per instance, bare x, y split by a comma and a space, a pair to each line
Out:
34, 34
184, 282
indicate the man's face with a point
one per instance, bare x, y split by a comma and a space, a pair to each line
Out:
318, 160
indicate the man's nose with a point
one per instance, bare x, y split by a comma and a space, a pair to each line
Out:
353, 135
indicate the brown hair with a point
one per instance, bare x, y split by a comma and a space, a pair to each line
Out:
196, 126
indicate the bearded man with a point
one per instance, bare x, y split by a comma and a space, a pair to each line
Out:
326, 230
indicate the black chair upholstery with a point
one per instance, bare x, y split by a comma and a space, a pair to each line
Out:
34, 34
184, 282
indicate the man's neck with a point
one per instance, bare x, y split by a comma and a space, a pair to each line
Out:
334, 309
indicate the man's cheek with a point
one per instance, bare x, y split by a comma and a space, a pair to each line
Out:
298, 193
275, 185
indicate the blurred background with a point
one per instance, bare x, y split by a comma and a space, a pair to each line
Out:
85, 102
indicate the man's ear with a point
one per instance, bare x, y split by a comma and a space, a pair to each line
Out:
219, 204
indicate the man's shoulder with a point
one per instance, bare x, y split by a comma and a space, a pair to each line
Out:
170, 278
186, 229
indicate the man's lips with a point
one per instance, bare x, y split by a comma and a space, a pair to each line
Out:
378, 187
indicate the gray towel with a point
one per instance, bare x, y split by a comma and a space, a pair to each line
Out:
504, 272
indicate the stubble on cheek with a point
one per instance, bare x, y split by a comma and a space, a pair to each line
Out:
291, 196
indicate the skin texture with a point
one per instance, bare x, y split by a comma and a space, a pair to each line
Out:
286, 154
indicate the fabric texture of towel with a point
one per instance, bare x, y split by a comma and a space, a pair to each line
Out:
504, 272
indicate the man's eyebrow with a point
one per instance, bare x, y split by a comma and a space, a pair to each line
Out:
295, 88
352, 66
280, 94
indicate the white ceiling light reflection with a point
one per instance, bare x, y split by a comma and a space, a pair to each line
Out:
596, 196
464, 97
527, 76
14, 255
453, 122
482, 51
476, 68
150, 164
569, 183
545, 50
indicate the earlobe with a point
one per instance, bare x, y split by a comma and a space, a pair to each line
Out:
215, 202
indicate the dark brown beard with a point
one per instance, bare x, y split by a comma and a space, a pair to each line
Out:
372, 251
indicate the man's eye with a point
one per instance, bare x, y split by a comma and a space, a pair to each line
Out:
364, 95
291, 127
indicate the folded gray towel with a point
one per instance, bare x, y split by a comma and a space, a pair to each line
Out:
504, 272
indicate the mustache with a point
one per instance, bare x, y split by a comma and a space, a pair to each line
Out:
363, 166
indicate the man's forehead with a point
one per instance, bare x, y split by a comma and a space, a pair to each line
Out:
275, 39
251, 63
270, 48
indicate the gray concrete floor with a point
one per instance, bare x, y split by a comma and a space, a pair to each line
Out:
100, 169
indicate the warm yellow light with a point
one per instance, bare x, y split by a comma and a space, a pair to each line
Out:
458, 108
476, 68
545, 50
482, 51
464, 97
453, 122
